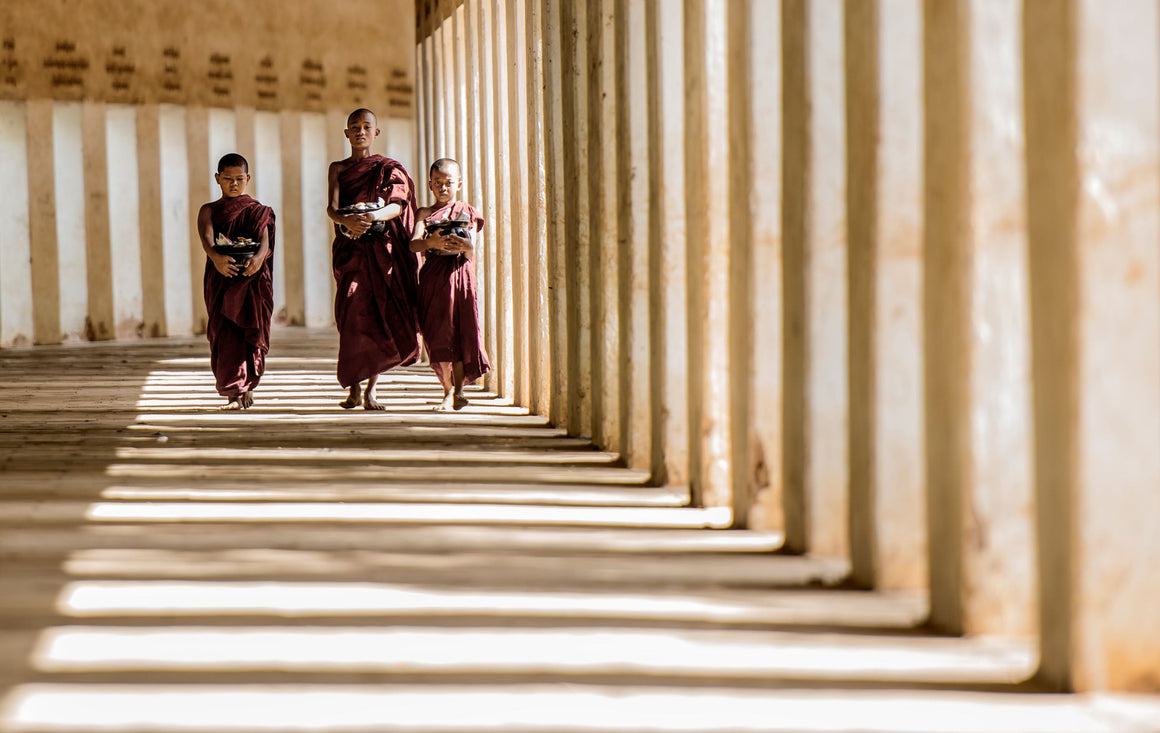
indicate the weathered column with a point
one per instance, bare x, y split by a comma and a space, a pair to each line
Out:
517, 101
98, 248
268, 189
814, 215
16, 325
707, 194
446, 32
1092, 133
975, 297
505, 347
462, 113
42, 222
756, 282
124, 219
577, 215
427, 87
152, 235
633, 233
317, 230
290, 232
439, 87
473, 158
607, 383
68, 176
422, 122
175, 222
884, 184
491, 237
557, 248
197, 140
539, 365
669, 338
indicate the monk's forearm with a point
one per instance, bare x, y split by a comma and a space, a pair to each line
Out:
388, 212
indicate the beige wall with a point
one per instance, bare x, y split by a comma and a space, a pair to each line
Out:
112, 118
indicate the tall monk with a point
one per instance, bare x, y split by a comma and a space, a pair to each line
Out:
239, 288
376, 271
448, 311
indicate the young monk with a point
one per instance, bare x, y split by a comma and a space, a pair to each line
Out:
376, 271
239, 293
448, 312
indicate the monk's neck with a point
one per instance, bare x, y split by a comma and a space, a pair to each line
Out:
357, 155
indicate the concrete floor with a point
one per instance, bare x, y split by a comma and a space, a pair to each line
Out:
165, 567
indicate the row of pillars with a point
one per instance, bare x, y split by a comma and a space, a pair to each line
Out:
883, 274
96, 224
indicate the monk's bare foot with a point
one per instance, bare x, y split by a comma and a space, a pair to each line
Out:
235, 403
247, 399
353, 400
370, 403
459, 401
447, 404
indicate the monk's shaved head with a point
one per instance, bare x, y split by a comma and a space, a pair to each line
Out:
359, 113
450, 166
233, 160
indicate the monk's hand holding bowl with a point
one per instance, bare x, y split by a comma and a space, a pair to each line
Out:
358, 224
252, 266
224, 264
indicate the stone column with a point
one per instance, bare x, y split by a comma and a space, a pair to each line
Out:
884, 175
577, 215
317, 230
427, 86
1092, 141
557, 249
491, 237
268, 161
710, 302
669, 338
814, 215
633, 215
174, 220
198, 155
438, 89
152, 236
976, 308
98, 248
290, 233
459, 101
124, 219
69, 178
607, 384
506, 356
756, 363
473, 158
517, 159
45, 267
539, 364
16, 327
423, 122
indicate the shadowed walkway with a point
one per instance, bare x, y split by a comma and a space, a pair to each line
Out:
300, 567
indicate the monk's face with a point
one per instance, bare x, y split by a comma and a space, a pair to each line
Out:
233, 180
362, 130
444, 185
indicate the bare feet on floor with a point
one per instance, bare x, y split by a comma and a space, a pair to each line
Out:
459, 401
247, 399
234, 404
447, 404
370, 403
353, 399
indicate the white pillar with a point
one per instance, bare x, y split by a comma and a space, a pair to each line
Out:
15, 255
69, 176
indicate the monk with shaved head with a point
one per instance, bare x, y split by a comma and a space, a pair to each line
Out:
372, 205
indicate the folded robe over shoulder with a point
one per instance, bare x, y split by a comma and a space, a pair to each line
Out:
239, 308
376, 276
448, 311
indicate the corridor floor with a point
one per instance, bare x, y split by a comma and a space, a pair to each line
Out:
297, 567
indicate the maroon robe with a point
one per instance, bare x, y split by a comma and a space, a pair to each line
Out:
240, 308
448, 312
376, 275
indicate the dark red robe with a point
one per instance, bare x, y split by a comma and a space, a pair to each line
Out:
240, 308
376, 274
448, 311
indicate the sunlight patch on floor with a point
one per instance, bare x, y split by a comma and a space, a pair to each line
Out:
60, 708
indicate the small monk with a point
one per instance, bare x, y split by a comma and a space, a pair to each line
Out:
239, 289
376, 272
448, 311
